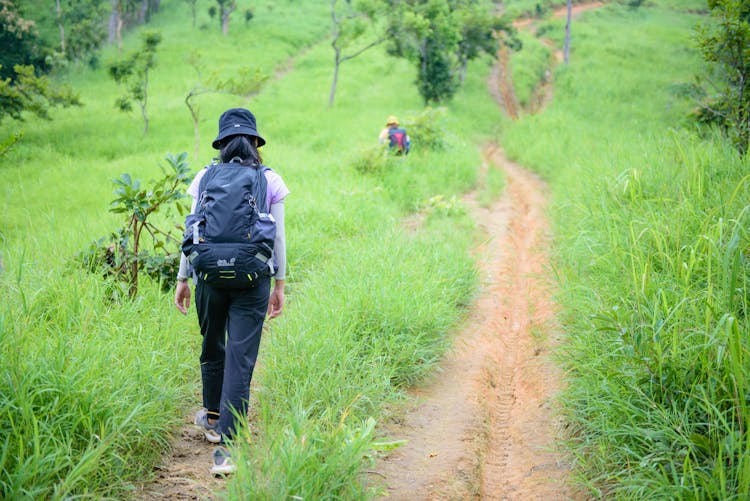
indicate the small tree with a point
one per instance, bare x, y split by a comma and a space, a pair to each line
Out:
81, 26
246, 83
19, 40
193, 10
132, 72
568, 22
226, 7
350, 23
29, 92
441, 36
123, 254
726, 45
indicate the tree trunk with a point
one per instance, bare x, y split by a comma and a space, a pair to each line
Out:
60, 25
566, 50
133, 289
196, 126
114, 21
144, 103
336, 52
336, 64
143, 12
226, 11
462, 70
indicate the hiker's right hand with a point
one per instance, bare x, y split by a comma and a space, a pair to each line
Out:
182, 297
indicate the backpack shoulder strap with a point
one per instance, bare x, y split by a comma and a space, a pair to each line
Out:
210, 169
262, 185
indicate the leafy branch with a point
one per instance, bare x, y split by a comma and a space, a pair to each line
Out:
245, 83
132, 72
123, 254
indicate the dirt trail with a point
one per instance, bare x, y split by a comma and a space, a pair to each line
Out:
484, 427
501, 85
185, 473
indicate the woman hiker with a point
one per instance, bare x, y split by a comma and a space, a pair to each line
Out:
231, 319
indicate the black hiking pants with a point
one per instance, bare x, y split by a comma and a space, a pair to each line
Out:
231, 322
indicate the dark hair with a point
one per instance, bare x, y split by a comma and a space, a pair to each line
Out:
240, 146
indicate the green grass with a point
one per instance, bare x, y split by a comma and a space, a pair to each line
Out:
651, 220
544, 8
529, 67
84, 397
91, 387
532, 8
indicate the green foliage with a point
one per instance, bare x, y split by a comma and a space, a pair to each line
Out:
19, 40
132, 72
7, 144
440, 37
123, 254
651, 224
81, 410
36, 94
246, 83
529, 68
350, 23
435, 79
374, 160
427, 128
726, 46
83, 25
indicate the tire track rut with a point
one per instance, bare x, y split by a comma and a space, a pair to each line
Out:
484, 427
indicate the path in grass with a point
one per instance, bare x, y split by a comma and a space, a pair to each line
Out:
501, 84
185, 473
484, 427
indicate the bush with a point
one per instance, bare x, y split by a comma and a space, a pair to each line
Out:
426, 129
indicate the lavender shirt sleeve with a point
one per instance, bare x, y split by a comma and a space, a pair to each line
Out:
275, 195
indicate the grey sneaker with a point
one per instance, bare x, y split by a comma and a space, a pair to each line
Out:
223, 463
209, 430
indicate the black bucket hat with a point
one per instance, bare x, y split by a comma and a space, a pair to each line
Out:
237, 121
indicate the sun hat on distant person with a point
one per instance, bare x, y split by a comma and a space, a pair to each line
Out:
237, 121
392, 120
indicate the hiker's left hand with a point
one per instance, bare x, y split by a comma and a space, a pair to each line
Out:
276, 301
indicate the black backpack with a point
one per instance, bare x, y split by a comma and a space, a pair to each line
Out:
397, 139
229, 238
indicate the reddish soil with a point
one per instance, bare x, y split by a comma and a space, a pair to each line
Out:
484, 427
185, 474
501, 85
